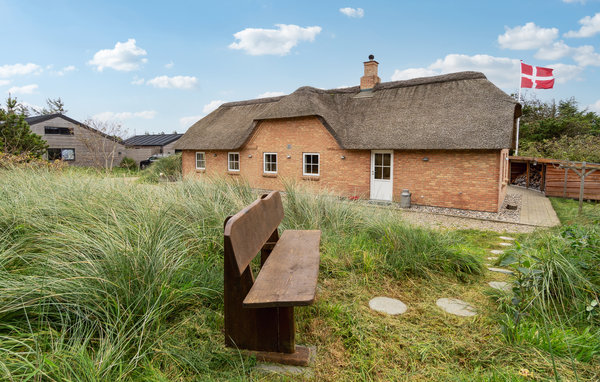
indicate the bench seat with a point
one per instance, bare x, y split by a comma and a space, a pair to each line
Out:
289, 275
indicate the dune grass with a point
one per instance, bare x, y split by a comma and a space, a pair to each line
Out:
107, 280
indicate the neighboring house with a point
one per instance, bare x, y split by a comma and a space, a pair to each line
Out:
75, 142
444, 138
140, 147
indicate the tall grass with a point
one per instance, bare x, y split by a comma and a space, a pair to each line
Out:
101, 279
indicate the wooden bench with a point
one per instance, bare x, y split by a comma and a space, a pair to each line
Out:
259, 314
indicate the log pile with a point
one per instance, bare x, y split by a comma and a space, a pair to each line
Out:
535, 179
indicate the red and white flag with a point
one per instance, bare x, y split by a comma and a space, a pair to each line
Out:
541, 77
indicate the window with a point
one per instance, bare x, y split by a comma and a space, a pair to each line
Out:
382, 166
58, 130
200, 161
61, 154
310, 164
233, 162
270, 163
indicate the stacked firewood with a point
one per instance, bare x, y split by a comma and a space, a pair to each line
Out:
535, 179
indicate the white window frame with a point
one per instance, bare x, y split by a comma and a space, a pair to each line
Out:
304, 164
203, 160
265, 163
229, 161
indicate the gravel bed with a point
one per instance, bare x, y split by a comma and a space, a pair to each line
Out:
504, 214
455, 222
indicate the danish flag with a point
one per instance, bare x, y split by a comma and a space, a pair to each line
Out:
541, 77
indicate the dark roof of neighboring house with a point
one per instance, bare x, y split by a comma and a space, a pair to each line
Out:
454, 111
152, 139
42, 118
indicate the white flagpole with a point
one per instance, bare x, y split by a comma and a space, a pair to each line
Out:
519, 119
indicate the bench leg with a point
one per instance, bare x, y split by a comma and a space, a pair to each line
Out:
287, 330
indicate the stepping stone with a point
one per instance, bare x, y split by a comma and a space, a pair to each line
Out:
501, 270
500, 285
505, 244
507, 238
456, 307
497, 251
284, 370
492, 258
388, 305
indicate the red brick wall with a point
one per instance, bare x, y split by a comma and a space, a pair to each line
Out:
457, 179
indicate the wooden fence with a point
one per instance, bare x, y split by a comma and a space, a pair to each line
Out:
558, 181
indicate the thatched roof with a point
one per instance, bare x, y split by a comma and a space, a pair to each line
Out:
453, 111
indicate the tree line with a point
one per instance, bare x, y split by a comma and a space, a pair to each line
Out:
560, 130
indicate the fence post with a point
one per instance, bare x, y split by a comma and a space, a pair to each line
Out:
581, 186
565, 184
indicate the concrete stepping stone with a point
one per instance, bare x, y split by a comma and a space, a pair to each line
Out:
456, 307
492, 258
497, 251
388, 305
505, 244
268, 369
501, 270
507, 238
500, 285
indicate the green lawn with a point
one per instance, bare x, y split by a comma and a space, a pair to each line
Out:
107, 280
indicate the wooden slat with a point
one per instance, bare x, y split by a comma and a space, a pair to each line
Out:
289, 276
250, 228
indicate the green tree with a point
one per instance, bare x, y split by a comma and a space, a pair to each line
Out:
53, 106
15, 135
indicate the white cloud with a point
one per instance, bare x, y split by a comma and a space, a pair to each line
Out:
553, 52
125, 56
502, 71
4, 82
565, 73
109, 115
7, 71
176, 82
258, 41
586, 56
65, 70
409, 73
528, 36
270, 94
188, 121
595, 106
574, 1
212, 105
170, 65
353, 12
589, 27
137, 81
27, 89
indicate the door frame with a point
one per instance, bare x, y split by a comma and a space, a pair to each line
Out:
372, 173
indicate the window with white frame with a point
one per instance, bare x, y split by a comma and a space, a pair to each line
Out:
310, 164
270, 163
233, 162
200, 161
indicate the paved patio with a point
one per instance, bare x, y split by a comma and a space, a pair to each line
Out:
536, 208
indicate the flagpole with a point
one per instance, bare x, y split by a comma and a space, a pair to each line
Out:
519, 119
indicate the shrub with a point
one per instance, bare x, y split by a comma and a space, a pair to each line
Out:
128, 163
164, 169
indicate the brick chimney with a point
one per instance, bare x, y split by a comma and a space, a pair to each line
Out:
370, 79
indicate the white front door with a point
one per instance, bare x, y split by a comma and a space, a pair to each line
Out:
382, 174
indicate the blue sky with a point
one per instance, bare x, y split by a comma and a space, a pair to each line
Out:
160, 66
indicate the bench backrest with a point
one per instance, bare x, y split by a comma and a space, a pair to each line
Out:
249, 229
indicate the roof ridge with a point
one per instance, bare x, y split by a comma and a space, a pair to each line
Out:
450, 77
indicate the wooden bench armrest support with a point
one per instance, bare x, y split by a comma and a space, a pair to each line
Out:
289, 276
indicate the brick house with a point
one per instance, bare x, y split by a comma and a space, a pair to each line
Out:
76, 143
445, 138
